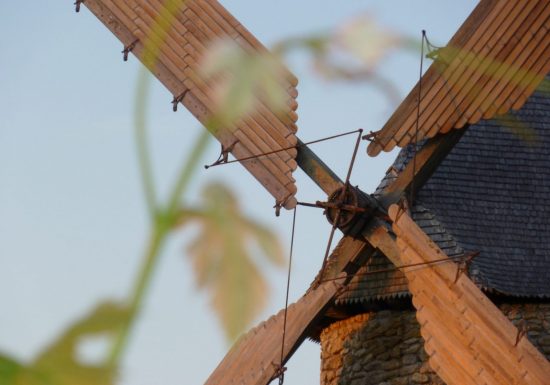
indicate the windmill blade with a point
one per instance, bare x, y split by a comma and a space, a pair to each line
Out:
256, 357
468, 339
491, 65
171, 39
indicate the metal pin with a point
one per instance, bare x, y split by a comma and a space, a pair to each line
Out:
464, 265
277, 208
522, 330
371, 136
224, 155
77, 5
178, 99
128, 49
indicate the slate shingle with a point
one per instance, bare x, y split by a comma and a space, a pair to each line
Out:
491, 194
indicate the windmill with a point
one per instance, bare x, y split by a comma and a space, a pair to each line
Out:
491, 65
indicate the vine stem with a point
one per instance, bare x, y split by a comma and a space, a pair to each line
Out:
163, 223
152, 253
162, 218
144, 159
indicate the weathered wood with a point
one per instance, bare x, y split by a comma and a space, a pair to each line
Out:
478, 55
275, 139
497, 42
317, 170
417, 172
408, 107
513, 64
505, 89
255, 357
459, 322
440, 91
246, 136
377, 234
162, 44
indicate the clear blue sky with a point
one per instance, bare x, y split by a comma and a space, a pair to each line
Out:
72, 218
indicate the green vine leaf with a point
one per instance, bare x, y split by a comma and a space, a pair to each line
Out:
59, 363
222, 258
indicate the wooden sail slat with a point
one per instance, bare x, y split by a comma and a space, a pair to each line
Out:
264, 144
135, 21
445, 311
207, 23
286, 129
447, 89
454, 50
180, 76
453, 361
125, 35
164, 54
270, 142
275, 130
218, 25
236, 367
273, 164
480, 59
202, 33
446, 307
539, 69
496, 49
505, 98
387, 137
503, 45
251, 39
255, 357
524, 44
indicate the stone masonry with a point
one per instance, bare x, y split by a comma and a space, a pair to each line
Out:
385, 347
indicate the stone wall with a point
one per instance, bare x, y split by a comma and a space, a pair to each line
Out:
385, 347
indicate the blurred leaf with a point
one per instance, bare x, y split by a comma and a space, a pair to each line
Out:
352, 52
241, 80
365, 40
222, 260
58, 364
15, 373
519, 128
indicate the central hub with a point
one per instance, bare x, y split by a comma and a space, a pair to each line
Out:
347, 208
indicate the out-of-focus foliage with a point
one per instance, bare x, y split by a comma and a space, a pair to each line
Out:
519, 128
241, 80
59, 363
490, 68
223, 257
230, 248
351, 52
366, 41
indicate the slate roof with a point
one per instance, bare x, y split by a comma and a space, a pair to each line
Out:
490, 194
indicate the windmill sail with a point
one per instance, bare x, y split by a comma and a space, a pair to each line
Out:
491, 65
172, 44
468, 339
255, 358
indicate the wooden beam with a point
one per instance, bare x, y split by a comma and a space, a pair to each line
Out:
469, 340
377, 234
255, 357
417, 173
317, 170
376, 231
